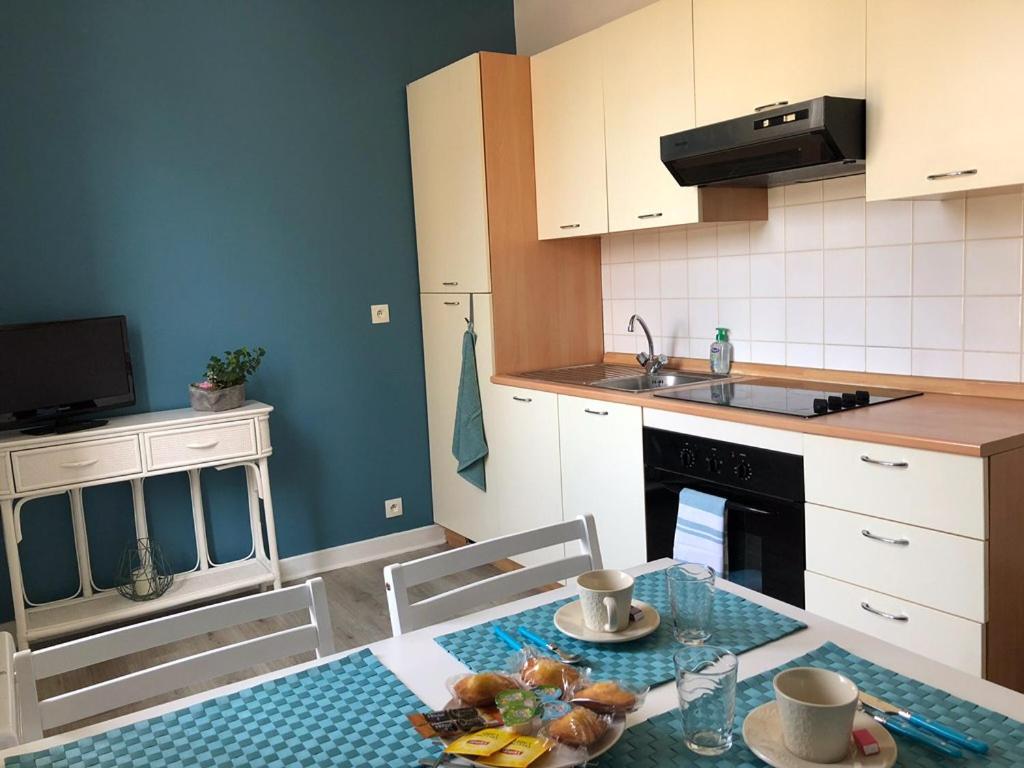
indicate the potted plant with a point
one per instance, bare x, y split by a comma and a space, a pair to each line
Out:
223, 388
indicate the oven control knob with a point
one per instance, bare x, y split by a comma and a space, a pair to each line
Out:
688, 457
743, 470
714, 463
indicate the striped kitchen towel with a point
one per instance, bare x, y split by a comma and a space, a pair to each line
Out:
700, 530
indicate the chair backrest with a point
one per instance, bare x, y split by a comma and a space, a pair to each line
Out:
31, 666
398, 578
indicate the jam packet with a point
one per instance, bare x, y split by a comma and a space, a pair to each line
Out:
481, 743
517, 754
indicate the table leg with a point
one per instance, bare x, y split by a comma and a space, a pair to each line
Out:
252, 486
199, 520
268, 514
14, 567
81, 541
139, 508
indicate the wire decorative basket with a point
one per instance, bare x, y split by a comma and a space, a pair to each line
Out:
143, 573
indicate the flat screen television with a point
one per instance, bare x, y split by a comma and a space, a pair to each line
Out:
52, 373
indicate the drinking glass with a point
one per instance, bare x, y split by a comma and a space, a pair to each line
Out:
691, 594
706, 686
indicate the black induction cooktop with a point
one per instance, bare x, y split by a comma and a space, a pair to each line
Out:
790, 401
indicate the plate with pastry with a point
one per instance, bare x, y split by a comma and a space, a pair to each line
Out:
569, 621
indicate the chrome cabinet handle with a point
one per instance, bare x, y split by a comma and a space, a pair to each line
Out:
884, 539
519, 399
650, 215
953, 174
451, 282
763, 107
883, 463
79, 464
595, 413
890, 616
569, 226
451, 303
202, 446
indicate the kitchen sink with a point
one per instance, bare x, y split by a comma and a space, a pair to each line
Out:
646, 382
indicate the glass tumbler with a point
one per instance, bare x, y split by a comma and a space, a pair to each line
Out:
706, 685
691, 595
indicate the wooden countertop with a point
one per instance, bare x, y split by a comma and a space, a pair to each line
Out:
962, 424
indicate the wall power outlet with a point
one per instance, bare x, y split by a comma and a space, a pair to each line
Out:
393, 507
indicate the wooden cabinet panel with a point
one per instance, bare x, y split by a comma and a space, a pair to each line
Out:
523, 470
944, 96
446, 143
458, 505
648, 92
568, 128
749, 54
603, 474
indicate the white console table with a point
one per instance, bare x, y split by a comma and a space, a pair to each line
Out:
130, 449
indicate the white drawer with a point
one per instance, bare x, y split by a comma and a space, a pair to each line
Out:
942, 491
232, 440
939, 636
77, 463
5, 474
938, 570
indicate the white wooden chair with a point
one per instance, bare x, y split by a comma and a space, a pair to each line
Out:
398, 578
35, 716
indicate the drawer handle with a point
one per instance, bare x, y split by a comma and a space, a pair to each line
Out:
451, 303
79, 464
884, 463
890, 616
569, 226
450, 282
203, 446
953, 174
884, 539
595, 413
519, 399
650, 215
763, 107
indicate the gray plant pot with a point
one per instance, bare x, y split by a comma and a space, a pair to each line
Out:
216, 399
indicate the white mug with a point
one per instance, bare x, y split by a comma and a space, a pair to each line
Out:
605, 597
816, 707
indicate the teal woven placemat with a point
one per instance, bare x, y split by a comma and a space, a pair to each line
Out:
658, 742
738, 624
350, 712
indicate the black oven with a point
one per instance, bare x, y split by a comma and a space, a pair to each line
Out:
764, 493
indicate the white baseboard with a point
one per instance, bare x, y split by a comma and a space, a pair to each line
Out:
304, 566
392, 545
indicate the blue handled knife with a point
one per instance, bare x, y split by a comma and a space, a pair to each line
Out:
943, 732
512, 643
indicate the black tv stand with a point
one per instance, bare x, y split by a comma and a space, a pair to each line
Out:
64, 427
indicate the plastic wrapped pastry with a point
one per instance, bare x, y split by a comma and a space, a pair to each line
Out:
542, 671
580, 728
607, 696
480, 690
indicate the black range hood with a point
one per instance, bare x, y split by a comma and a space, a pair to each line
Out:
818, 139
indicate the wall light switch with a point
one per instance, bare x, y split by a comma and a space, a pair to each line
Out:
393, 507
379, 313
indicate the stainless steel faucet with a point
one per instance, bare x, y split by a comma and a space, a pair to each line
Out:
652, 363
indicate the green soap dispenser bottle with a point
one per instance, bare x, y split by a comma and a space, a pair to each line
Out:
721, 352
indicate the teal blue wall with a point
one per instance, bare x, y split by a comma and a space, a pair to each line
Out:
227, 173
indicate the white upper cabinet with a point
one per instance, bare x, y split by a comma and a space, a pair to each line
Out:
446, 141
648, 92
568, 134
945, 96
752, 54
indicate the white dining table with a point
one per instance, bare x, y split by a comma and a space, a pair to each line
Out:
424, 666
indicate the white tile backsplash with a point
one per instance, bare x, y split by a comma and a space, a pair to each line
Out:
928, 287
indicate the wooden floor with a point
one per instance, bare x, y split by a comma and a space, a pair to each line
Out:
359, 615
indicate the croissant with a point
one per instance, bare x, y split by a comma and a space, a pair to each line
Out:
579, 728
606, 696
480, 690
542, 671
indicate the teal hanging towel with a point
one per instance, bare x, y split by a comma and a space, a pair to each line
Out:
469, 444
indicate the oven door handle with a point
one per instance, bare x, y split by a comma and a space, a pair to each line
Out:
744, 508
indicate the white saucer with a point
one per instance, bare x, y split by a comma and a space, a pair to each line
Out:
569, 620
762, 731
